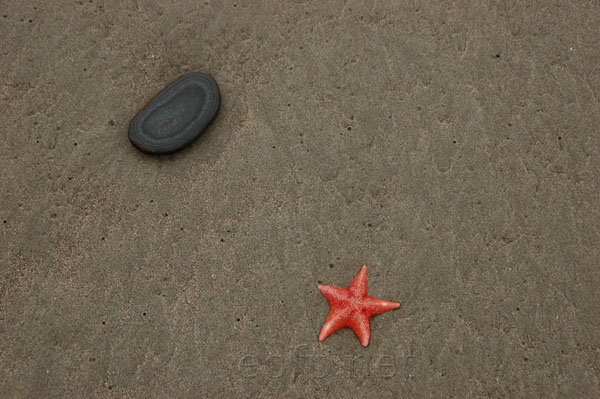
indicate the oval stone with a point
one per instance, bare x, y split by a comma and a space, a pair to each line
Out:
177, 115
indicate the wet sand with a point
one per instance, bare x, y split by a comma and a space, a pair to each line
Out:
453, 147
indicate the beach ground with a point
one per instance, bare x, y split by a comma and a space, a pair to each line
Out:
452, 147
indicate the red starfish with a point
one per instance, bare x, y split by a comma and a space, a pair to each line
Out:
352, 307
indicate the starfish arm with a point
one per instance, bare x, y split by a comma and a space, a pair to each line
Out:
358, 286
375, 306
362, 329
335, 321
334, 295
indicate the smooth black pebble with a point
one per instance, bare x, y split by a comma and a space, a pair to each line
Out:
177, 115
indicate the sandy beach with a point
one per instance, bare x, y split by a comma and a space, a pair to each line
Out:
453, 147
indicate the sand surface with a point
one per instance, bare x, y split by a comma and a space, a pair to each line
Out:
453, 147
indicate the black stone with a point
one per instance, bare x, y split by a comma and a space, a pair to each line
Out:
177, 115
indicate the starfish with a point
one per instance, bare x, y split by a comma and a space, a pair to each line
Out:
352, 307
